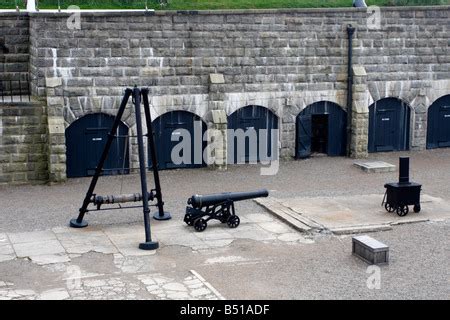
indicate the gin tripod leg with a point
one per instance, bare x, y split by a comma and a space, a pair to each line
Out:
161, 214
148, 244
78, 222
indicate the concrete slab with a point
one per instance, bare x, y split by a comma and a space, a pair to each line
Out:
127, 239
253, 233
83, 242
50, 258
213, 234
3, 238
187, 239
218, 243
59, 230
6, 252
29, 249
375, 166
54, 294
259, 217
35, 236
362, 213
6, 248
275, 227
291, 237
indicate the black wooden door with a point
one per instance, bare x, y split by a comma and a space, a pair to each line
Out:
260, 142
389, 126
438, 132
169, 132
335, 132
386, 130
85, 141
444, 127
304, 131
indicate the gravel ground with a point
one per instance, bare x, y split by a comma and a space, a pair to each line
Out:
26, 208
325, 269
418, 268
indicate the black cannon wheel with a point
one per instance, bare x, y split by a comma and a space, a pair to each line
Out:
417, 208
200, 225
188, 219
233, 221
402, 210
389, 208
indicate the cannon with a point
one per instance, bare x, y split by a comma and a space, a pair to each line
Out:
219, 206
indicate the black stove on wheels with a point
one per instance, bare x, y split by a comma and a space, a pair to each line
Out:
400, 195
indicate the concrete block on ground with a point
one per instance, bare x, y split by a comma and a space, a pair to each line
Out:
375, 166
370, 250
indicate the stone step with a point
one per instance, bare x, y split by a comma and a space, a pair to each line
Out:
361, 229
305, 220
283, 214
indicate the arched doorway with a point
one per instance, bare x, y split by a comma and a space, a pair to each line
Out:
438, 132
321, 128
170, 134
389, 125
85, 140
251, 139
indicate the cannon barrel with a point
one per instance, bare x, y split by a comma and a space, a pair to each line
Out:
199, 201
122, 198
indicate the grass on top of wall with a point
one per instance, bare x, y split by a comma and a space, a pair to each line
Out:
211, 4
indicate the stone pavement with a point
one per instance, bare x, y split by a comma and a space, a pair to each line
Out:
58, 249
350, 214
77, 285
263, 258
104, 263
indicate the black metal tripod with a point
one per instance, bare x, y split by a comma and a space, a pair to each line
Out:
145, 196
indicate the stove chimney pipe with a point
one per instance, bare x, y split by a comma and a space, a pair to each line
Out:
404, 170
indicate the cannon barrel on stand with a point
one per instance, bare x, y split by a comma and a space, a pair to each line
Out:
198, 201
218, 206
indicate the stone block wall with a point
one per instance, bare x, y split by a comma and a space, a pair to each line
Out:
283, 60
23, 143
14, 35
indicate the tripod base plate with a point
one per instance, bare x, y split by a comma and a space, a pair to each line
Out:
151, 245
75, 224
165, 216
